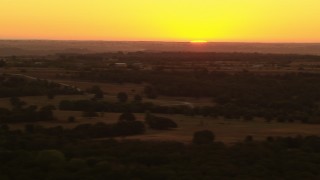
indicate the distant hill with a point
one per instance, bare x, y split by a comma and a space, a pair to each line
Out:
44, 47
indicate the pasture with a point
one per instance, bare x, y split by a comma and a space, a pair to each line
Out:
228, 131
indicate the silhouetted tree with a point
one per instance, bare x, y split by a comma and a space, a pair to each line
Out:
160, 123
137, 98
2, 63
51, 95
203, 137
96, 90
89, 113
248, 138
150, 92
17, 103
127, 116
122, 97
71, 119
45, 113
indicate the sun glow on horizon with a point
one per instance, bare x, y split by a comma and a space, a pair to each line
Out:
199, 41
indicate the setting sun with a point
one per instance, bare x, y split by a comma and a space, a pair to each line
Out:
198, 41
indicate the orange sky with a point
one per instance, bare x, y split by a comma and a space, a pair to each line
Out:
164, 20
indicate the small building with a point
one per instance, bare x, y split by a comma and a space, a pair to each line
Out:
38, 63
120, 65
257, 66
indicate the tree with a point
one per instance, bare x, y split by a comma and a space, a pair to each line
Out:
89, 113
122, 97
29, 128
203, 137
99, 95
51, 95
45, 113
137, 98
4, 128
2, 63
48, 157
127, 116
159, 123
248, 138
71, 119
76, 164
17, 103
150, 92
125, 128
96, 90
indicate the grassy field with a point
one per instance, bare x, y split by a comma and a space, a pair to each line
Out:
229, 131
225, 130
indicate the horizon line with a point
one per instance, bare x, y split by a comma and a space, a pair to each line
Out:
165, 41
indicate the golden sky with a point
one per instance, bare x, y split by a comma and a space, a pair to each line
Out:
163, 20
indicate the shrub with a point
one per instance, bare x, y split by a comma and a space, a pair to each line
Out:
127, 116
159, 123
122, 97
50, 157
137, 98
71, 119
96, 90
203, 137
248, 138
125, 128
76, 164
51, 95
89, 113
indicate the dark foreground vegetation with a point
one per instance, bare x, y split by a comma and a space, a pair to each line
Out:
23, 113
49, 154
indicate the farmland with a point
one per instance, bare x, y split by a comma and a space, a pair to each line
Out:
161, 116
226, 130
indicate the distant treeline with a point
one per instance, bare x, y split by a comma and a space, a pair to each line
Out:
88, 131
16, 86
188, 56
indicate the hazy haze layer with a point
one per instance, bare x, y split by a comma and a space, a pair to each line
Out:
8, 48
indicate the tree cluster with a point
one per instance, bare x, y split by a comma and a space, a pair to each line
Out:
159, 123
22, 113
16, 86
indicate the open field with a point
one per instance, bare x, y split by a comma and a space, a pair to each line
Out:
228, 131
110, 89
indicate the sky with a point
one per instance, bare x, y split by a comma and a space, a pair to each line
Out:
162, 20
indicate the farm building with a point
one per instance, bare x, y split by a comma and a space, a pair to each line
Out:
121, 65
